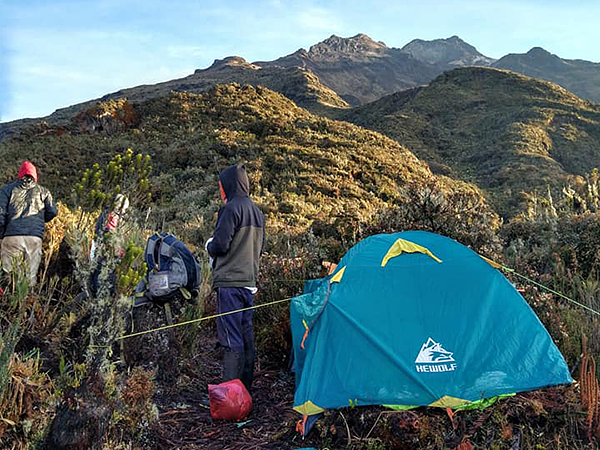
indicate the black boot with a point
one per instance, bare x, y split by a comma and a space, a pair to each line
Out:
232, 364
248, 368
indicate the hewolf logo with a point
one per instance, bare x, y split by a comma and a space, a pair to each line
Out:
431, 357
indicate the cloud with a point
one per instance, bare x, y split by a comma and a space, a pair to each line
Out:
53, 70
319, 19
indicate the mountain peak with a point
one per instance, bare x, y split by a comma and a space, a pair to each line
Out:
450, 52
540, 63
231, 61
364, 38
358, 44
543, 56
538, 51
452, 40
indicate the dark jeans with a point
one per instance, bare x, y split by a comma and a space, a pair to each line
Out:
235, 334
235, 330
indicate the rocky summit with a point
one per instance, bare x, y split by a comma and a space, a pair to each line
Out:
357, 46
447, 53
359, 69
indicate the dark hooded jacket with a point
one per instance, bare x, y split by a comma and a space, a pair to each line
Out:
25, 207
239, 236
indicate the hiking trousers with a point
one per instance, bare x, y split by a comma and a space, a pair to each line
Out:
234, 332
29, 247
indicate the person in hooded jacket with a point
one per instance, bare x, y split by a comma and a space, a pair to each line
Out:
25, 207
235, 248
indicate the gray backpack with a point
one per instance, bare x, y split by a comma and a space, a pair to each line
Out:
172, 268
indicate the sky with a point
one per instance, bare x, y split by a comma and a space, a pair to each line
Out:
56, 53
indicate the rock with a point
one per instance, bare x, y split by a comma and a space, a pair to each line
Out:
111, 117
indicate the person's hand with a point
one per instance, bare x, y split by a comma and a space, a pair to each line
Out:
210, 260
209, 240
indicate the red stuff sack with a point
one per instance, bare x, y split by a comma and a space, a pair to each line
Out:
229, 400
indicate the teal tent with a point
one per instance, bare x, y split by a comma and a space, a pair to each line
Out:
412, 319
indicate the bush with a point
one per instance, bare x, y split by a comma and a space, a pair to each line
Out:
462, 215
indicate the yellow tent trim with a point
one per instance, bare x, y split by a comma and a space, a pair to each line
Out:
308, 409
338, 276
491, 263
449, 402
404, 246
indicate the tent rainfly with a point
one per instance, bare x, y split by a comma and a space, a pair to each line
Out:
416, 319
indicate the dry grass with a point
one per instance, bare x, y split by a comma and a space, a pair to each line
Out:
590, 393
24, 406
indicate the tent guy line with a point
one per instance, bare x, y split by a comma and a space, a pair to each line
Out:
509, 270
214, 316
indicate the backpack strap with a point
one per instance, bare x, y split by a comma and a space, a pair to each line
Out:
156, 252
168, 314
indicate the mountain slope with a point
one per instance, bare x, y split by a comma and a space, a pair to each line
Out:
505, 132
341, 71
578, 76
300, 85
357, 69
306, 171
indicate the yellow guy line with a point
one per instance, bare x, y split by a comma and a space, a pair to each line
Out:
514, 272
493, 263
166, 327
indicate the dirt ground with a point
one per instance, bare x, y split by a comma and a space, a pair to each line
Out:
185, 423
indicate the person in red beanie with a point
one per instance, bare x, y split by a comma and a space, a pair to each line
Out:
25, 207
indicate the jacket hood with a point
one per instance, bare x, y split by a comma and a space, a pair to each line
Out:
235, 181
28, 168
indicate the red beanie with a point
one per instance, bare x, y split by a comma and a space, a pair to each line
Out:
28, 168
